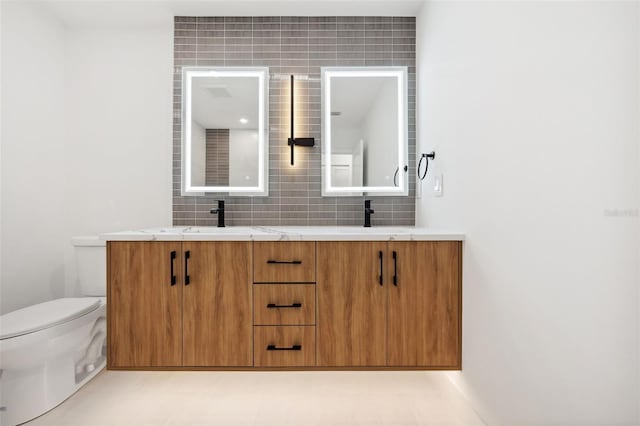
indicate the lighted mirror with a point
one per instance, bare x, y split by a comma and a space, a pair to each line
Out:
364, 131
224, 132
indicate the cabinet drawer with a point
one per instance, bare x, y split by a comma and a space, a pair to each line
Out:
284, 261
284, 304
284, 346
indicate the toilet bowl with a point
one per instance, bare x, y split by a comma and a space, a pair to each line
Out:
50, 350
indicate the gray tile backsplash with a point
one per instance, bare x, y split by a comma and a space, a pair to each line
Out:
216, 157
293, 45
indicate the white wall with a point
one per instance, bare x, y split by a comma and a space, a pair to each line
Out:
32, 157
533, 110
243, 157
86, 143
347, 162
380, 130
345, 138
198, 154
119, 124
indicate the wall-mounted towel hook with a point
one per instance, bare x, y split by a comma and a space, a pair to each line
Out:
423, 156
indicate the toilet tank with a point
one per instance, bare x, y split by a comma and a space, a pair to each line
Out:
91, 265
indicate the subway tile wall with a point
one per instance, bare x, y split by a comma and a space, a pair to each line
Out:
301, 46
216, 169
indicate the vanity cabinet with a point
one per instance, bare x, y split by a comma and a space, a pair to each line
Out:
424, 304
144, 304
174, 304
284, 261
216, 315
394, 304
352, 304
285, 346
284, 304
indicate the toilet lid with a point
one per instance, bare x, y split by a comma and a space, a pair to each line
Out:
44, 315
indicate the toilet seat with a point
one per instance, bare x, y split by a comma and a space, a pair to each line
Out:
45, 315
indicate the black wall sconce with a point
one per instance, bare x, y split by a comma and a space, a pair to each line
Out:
293, 141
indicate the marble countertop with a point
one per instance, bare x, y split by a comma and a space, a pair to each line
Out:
285, 233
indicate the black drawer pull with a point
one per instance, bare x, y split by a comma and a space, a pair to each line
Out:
187, 278
292, 348
381, 271
285, 262
395, 269
293, 305
173, 275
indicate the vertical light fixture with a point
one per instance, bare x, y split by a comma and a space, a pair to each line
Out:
293, 141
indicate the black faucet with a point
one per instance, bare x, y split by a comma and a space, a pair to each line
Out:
220, 212
368, 211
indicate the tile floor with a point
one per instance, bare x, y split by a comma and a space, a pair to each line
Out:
119, 398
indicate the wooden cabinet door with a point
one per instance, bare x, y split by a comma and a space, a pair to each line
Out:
352, 304
145, 307
217, 323
424, 304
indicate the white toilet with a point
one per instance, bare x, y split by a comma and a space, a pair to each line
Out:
49, 350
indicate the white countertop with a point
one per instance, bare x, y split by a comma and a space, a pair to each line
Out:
285, 233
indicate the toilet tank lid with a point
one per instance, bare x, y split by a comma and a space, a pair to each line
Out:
88, 241
45, 315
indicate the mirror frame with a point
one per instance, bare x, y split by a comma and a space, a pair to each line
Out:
401, 74
262, 73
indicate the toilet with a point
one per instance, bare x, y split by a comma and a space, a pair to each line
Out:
50, 350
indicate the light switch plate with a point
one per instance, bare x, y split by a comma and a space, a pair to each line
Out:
437, 185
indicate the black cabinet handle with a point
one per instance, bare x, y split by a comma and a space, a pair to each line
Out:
285, 262
292, 348
173, 275
187, 279
395, 269
293, 305
381, 273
